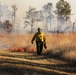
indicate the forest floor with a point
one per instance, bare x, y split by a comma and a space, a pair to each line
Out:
24, 63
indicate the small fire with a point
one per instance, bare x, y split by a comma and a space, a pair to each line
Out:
17, 49
21, 50
30, 49
27, 49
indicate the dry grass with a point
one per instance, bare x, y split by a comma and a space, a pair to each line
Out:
61, 45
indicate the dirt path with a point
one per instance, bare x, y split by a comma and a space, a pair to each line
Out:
15, 63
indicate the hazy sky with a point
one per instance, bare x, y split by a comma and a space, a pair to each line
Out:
24, 4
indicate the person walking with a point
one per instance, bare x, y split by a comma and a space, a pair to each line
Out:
40, 40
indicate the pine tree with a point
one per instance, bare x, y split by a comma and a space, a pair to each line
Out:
63, 11
31, 17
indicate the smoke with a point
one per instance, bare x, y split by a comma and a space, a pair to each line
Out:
6, 14
52, 23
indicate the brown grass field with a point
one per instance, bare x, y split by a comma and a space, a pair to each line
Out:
17, 51
62, 45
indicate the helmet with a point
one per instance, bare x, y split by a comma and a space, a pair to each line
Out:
39, 29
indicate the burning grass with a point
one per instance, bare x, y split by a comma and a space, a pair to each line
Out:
59, 45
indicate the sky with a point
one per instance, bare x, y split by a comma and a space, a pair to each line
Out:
23, 5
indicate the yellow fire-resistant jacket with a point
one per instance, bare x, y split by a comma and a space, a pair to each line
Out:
39, 37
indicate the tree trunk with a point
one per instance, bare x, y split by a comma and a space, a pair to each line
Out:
50, 24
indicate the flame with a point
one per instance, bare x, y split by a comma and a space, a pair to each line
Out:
27, 49
14, 49
21, 50
34, 49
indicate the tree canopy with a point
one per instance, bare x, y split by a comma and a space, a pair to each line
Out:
63, 9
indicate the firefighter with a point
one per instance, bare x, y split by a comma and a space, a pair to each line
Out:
40, 40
